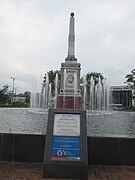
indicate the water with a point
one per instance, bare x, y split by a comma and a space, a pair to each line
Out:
99, 123
56, 90
96, 95
111, 124
36, 93
23, 120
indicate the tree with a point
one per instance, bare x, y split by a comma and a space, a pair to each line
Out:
52, 75
51, 79
27, 95
130, 81
95, 76
93, 85
4, 94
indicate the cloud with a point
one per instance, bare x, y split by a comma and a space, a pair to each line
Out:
34, 36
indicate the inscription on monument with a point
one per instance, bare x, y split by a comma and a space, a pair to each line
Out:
66, 125
66, 137
66, 145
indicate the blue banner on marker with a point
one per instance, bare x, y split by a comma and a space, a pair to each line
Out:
65, 148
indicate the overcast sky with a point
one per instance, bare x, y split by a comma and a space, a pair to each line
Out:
34, 37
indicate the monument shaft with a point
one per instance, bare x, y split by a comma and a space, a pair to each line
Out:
71, 39
70, 96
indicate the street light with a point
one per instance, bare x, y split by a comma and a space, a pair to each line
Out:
13, 78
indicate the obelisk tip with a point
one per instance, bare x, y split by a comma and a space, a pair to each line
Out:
72, 14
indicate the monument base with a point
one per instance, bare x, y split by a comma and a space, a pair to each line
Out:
65, 154
69, 102
65, 170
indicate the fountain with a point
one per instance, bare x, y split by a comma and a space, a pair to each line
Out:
35, 93
23, 130
94, 94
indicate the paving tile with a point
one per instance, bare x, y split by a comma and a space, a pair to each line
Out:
33, 171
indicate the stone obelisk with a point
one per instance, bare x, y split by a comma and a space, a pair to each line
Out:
70, 97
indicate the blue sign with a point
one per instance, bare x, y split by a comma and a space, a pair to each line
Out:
65, 148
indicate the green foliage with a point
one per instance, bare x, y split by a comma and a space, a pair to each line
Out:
51, 76
129, 108
20, 104
27, 95
4, 94
95, 76
16, 104
5, 98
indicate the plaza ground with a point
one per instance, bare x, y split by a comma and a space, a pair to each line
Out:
33, 171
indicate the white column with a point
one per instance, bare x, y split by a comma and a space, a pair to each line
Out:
71, 39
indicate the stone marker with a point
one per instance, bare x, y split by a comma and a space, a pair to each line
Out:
65, 153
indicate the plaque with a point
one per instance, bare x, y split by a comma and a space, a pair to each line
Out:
66, 125
65, 154
66, 137
65, 148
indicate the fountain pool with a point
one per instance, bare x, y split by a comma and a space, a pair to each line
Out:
99, 123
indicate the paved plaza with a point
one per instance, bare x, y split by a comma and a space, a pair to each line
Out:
33, 171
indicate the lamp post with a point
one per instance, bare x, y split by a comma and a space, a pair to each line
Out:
13, 78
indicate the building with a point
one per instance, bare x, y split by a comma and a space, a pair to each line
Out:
121, 96
19, 99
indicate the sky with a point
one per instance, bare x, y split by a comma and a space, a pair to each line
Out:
34, 38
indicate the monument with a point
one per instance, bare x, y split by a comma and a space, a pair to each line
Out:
70, 95
65, 154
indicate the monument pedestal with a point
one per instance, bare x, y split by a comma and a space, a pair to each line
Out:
69, 102
66, 170
65, 154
